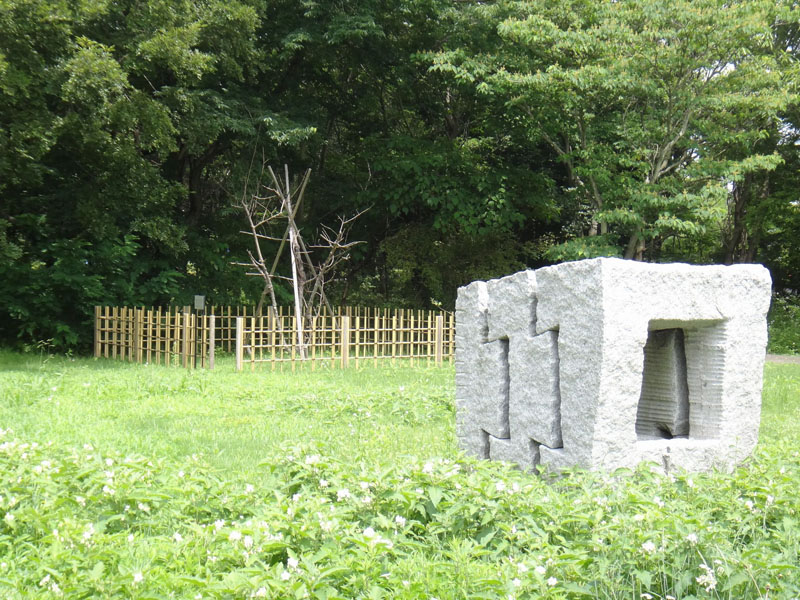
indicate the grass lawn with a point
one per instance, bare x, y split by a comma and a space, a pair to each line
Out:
121, 480
234, 420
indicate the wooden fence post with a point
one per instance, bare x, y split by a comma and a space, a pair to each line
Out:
239, 342
185, 341
97, 332
138, 333
211, 341
345, 351
128, 323
394, 335
439, 339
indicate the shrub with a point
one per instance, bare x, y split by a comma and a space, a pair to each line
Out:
784, 325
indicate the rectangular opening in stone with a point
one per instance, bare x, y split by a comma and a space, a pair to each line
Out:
663, 411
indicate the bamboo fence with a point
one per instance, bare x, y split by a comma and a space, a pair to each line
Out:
350, 336
171, 336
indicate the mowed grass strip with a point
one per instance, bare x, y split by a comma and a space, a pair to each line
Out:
126, 481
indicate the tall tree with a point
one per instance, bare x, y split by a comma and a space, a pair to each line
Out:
646, 104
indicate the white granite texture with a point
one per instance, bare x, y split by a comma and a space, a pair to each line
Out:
605, 363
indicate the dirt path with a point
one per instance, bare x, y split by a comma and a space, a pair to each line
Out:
783, 359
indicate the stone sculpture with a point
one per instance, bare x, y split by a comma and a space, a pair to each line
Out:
605, 363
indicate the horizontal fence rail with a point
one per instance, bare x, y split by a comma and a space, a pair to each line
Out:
349, 336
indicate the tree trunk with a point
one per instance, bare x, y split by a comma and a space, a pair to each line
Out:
635, 247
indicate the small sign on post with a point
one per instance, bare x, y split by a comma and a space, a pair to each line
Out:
200, 303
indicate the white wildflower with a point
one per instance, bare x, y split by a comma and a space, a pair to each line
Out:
646, 596
516, 582
143, 507
540, 570
401, 521
285, 576
323, 483
649, 547
638, 517
177, 537
109, 462
707, 579
364, 485
249, 488
552, 581
9, 518
138, 577
369, 533
292, 563
500, 486
234, 536
130, 538
427, 467
312, 459
260, 593
80, 500
108, 490
248, 542
342, 494
219, 524
692, 538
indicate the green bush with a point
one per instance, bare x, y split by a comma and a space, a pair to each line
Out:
784, 325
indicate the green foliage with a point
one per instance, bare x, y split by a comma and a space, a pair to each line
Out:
84, 512
127, 131
653, 109
784, 325
427, 267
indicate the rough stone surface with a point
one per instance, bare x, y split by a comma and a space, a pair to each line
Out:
605, 363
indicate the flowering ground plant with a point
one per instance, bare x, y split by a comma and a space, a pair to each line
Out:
357, 516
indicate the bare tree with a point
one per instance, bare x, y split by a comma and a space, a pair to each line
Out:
278, 203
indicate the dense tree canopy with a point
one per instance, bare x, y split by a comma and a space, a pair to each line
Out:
483, 136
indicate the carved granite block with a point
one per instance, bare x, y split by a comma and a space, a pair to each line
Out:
605, 363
